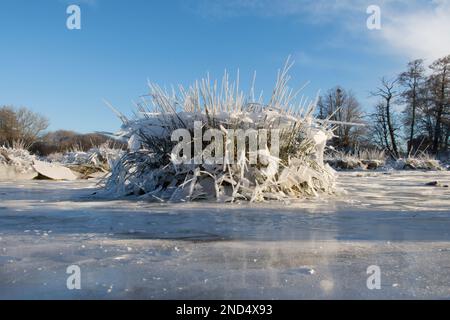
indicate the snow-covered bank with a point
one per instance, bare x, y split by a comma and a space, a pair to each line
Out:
365, 160
308, 249
18, 164
352, 163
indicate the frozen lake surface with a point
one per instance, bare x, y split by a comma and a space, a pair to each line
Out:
317, 248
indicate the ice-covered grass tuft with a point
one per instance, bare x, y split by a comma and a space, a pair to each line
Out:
370, 159
421, 162
296, 170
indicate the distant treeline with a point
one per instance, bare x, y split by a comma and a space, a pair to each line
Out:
21, 126
62, 140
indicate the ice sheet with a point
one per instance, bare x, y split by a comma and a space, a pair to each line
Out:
316, 248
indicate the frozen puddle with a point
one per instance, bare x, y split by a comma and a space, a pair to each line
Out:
318, 248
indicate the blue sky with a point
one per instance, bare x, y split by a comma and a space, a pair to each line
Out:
64, 74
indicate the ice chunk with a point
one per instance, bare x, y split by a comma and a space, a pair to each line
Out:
54, 171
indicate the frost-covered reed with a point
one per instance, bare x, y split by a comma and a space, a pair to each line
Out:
369, 159
421, 162
288, 166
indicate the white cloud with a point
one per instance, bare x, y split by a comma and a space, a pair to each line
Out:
424, 33
410, 28
270, 8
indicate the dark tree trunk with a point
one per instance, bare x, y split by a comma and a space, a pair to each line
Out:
390, 127
441, 104
413, 121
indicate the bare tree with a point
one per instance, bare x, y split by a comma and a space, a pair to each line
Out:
378, 129
439, 87
20, 124
8, 126
388, 94
341, 105
412, 80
